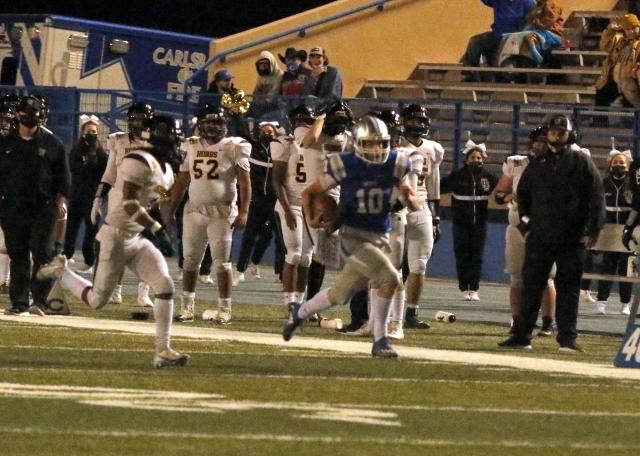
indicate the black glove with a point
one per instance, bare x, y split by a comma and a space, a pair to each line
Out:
164, 243
436, 229
627, 236
523, 227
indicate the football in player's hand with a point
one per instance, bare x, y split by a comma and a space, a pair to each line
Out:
325, 208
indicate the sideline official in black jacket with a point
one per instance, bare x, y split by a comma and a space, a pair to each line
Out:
34, 185
470, 187
561, 204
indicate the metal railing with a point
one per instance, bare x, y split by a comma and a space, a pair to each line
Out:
503, 127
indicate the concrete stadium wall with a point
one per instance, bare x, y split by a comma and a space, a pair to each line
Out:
376, 45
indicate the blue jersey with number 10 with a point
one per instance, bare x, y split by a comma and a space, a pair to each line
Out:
366, 189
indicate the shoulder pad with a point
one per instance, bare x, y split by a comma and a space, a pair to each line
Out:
193, 139
118, 134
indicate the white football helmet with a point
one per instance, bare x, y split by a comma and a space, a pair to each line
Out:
372, 140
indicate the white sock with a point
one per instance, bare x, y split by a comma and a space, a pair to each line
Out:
397, 305
288, 297
298, 296
4, 267
163, 314
76, 285
118, 289
143, 290
224, 303
379, 314
314, 305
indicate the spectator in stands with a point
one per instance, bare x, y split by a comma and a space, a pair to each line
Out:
625, 71
325, 80
296, 74
267, 86
618, 34
470, 187
87, 161
542, 33
508, 17
269, 76
618, 199
222, 82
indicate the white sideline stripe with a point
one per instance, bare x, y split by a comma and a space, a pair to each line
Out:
408, 352
321, 377
181, 436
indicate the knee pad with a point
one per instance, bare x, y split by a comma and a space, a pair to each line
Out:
292, 258
162, 287
221, 266
418, 266
305, 261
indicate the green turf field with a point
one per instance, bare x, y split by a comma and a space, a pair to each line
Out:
76, 391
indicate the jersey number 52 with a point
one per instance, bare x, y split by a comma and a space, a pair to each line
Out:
198, 170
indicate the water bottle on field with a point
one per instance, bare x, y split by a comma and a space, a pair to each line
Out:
441, 315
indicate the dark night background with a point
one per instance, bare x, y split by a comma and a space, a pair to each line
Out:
213, 18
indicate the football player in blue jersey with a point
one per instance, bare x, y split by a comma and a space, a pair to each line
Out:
370, 180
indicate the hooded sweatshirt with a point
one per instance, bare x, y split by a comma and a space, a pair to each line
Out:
270, 84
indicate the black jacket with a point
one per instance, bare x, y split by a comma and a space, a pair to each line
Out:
563, 196
261, 171
33, 172
87, 168
470, 194
618, 198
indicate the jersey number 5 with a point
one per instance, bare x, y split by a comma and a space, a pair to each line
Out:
301, 176
370, 201
199, 172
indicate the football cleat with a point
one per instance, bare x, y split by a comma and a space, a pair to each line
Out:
571, 347
169, 358
412, 322
224, 316
187, 310
254, 272
205, 279
515, 343
37, 310
210, 315
383, 349
237, 278
116, 296
293, 323
143, 296
53, 269
395, 330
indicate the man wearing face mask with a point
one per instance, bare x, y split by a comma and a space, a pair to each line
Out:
261, 223
561, 207
34, 185
296, 74
8, 126
87, 161
470, 187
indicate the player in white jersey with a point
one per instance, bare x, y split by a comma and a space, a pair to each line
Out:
119, 144
212, 167
144, 178
290, 178
329, 134
505, 192
423, 225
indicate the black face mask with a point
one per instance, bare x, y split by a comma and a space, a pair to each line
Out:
557, 146
619, 171
91, 139
475, 166
29, 120
265, 139
264, 71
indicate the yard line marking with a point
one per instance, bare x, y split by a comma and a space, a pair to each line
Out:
314, 343
181, 436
